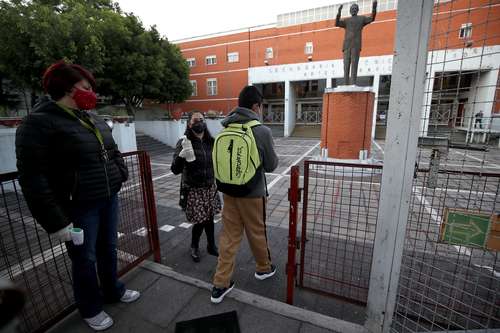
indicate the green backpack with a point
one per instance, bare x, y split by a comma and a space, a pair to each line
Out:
236, 159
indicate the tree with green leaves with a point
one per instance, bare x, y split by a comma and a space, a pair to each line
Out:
130, 62
139, 64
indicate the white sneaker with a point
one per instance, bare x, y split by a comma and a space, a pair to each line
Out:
99, 322
129, 296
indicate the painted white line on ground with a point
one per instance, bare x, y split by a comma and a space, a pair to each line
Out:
167, 228
45, 257
120, 235
163, 176
484, 162
461, 191
467, 192
462, 165
125, 256
127, 187
489, 268
37, 260
141, 232
218, 217
185, 225
277, 179
378, 146
272, 174
160, 164
437, 218
287, 155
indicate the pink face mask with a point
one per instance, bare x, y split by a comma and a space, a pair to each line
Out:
84, 99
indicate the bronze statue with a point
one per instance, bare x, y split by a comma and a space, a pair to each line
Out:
352, 40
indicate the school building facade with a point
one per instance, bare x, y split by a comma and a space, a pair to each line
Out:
295, 59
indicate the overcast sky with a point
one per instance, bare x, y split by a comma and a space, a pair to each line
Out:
180, 19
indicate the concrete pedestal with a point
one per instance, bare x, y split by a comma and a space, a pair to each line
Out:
346, 128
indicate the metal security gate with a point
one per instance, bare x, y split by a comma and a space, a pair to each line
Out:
450, 271
39, 265
449, 282
339, 213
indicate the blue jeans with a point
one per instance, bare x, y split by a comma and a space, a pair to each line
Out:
99, 220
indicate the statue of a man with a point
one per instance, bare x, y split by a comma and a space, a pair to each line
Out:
352, 41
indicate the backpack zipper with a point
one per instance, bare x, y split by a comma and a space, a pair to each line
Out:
230, 150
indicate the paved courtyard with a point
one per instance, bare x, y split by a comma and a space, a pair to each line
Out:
337, 251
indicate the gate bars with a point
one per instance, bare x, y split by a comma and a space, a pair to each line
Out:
339, 213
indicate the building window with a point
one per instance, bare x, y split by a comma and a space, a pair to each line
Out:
211, 87
211, 60
233, 57
465, 31
191, 62
195, 87
269, 53
308, 48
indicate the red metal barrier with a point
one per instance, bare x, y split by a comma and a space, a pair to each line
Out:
339, 213
294, 198
150, 205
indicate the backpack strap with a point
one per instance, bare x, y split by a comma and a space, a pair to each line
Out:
249, 124
253, 123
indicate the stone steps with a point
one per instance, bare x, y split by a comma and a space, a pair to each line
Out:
152, 146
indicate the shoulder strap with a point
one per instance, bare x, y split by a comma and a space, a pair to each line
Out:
249, 124
253, 123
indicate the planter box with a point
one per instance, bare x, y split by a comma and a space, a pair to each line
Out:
11, 121
122, 119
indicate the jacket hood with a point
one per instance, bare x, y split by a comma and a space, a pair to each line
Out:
240, 115
43, 104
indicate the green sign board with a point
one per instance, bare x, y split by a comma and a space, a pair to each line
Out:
465, 228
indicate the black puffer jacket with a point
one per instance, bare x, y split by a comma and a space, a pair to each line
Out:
60, 164
200, 172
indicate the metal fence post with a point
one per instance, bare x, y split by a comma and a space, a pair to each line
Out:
407, 90
293, 197
150, 205
152, 210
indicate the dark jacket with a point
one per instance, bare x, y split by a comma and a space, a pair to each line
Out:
200, 172
60, 164
265, 145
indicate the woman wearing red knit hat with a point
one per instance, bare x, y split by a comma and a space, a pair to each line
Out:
70, 171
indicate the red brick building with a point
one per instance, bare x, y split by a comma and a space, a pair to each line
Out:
294, 60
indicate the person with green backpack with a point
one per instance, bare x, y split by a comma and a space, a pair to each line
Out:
241, 155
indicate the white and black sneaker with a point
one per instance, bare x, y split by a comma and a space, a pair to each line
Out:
130, 296
264, 275
100, 321
219, 293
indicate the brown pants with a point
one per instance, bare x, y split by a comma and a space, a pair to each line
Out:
240, 214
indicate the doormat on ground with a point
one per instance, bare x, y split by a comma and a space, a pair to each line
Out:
220, 323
